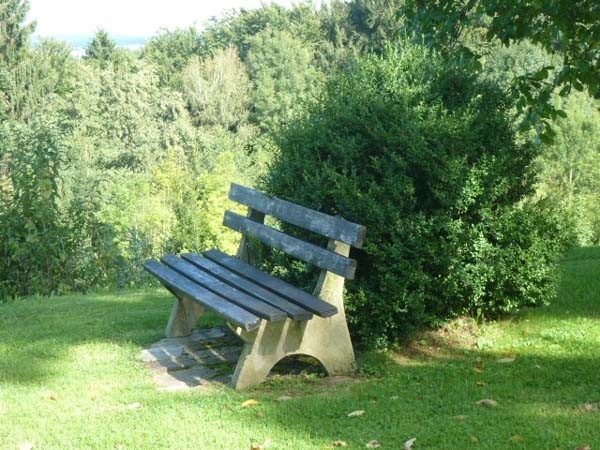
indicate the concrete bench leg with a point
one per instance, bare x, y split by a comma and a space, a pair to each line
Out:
184, 316
326, 339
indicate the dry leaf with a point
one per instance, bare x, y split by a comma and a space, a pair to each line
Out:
337, 444
478, 369
262, 446
507, 360
474, 439
517, 438
480, 383
584, 447
589, 407
408, 445
134, 405
360, 412
284, 398
251, 402
372, 444
487, 402
26, 446
52, 397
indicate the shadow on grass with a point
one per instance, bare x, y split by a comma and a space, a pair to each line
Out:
36, 333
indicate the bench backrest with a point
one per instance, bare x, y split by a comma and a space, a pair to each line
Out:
334, 227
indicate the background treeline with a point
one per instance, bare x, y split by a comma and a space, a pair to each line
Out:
122, 156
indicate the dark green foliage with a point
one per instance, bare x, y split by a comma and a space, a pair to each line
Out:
14, 35
101, 49
32, 245
570, 29
425, 157
170, 52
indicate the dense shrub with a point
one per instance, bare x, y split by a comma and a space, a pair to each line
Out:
425, 156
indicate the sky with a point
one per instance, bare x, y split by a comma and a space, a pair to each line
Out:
127, 17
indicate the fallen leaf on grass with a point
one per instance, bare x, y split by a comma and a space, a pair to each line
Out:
590, 407
284, 398
518, 438
584, 447
478, 369
487, 402
372, 444
408, 445
360, 412
474, 439
261, 446
480, 383
251, 402
337, 444
134, 405
507, 360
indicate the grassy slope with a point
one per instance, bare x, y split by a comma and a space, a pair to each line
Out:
68, 372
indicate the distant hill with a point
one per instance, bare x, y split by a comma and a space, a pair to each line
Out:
82, 40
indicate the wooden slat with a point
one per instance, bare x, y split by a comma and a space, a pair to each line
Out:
252, 304
221, 306
298, 296
333, 227
318, 256
216, 270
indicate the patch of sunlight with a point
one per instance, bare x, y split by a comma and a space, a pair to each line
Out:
97, 352
547, 410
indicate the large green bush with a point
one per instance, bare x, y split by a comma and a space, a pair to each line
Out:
425, 156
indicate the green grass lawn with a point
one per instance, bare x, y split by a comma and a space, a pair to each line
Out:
68, 373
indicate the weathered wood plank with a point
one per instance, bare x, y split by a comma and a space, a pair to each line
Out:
333, 227
293, 311
252, 304
292, 293
298, 248
223, 307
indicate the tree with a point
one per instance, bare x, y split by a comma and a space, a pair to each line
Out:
170, 52
282, 70
101, 49
41, 80
14, 35
425, 155
570, 29
14, 41
218, 89
569, 169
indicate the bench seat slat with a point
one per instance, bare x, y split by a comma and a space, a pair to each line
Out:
216, 270
318, 256
243, 300
333, 227
298, 296
178, 282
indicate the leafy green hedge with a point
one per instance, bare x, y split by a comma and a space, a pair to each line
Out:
425, 156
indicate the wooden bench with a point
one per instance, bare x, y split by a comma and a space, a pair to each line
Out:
274, 318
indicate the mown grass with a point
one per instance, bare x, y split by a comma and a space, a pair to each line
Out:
68, 373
